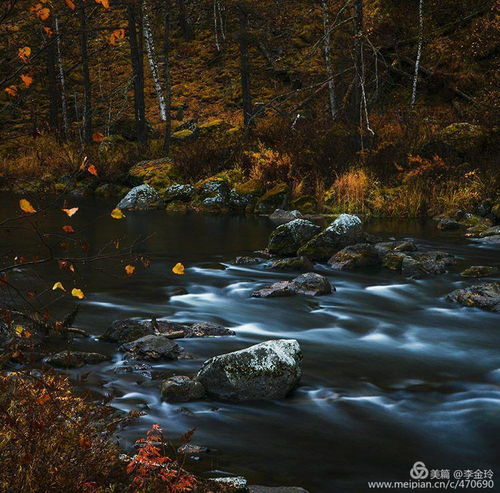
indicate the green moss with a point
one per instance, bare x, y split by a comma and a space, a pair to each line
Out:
159, 173
182, 134
250, 187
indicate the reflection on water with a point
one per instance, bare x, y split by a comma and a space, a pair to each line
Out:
392, 372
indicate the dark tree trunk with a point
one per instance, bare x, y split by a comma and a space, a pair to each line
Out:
245, 67
187, 30
53, 93
87, 87
166, 77
136, 56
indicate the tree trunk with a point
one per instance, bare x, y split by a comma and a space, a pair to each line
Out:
419, 50
328, 60
153, 60
245, 67
136, 56
166, 79
62, 82
87, 88
187, 30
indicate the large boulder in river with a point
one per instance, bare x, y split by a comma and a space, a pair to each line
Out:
345, 230
355, 256
310, 284
269, 370
75, 359
141, 198
151, 348
485, 296
287, 238
181, 388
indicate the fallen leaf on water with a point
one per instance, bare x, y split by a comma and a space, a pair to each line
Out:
58, 285
129, 269
68, 229
71, 212
178, 269
77, 293
26, 206
117, 214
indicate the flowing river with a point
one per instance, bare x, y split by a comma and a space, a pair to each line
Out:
392, 373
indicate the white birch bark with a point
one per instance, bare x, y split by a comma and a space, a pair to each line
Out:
62, 81
328, 60
419, 50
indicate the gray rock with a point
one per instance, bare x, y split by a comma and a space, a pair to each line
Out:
141, 198
269, 370
355, 256
288, 237
181, 388
192, 449
448, 224
151, 348
345, 230
426, 263
479, 271
394, 260
493, 231
310, 284
492, 240
238, 201
182, 193
290, 264
218, 201
136, 367
206, 329
74, 359
485, 296
232, 484
249, 260
282, 216
395, 246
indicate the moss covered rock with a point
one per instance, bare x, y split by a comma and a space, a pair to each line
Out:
158, 173
287, 238
479, 271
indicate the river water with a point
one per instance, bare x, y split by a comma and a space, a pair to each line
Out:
392, 373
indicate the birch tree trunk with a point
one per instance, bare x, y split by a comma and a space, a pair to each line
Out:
87, 102
62, 81
153, 60
328, 60
419, 50
166, 78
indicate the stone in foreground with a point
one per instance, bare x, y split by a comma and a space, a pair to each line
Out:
485, 296
75, 359
141, 198
269, 370
355, 256
181, 388
310, 284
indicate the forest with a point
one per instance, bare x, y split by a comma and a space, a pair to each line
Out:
244, 242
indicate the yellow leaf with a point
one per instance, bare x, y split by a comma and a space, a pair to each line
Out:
26, 206
19, 330
27, 79
77, 293
117, 214
129, 269
71, 212
11, 91
58, 285
178, 269
92, 170
70, 4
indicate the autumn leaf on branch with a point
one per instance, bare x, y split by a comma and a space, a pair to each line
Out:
104, 3
97, 137
27, 79
25, 206
24, 53
11, 91
48, 31
116, 36
43, 14
92, 170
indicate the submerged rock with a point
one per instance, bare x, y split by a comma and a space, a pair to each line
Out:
345, 230
310, 284
493, 231
287, 238
152, 348
485, 296
249, 260
355, 256
290, 264
269, 370
479, 271
75, 359
181, 388
448, 224
141, 198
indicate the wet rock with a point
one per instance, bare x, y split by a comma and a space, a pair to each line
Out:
275, 489
181, 193
152, 348
206, 329
135, 367
491, 240
426, 263
448, 224
310, 284
472, 221
394, 260
141, 198
288, 237
485, 296
238, 201
345, 230
233, 484
213, 187
290, 264
176, 291
74, 359
216, 202
181, 388
355, 256
249, 260
479, 271
269, 370
493, 231
395, 246
282, 216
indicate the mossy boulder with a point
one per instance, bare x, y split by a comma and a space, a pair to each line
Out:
355, 256
158, 173
485, 296
276, 198
287, 238
252, 187
141, 198
479, 271
178, 193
